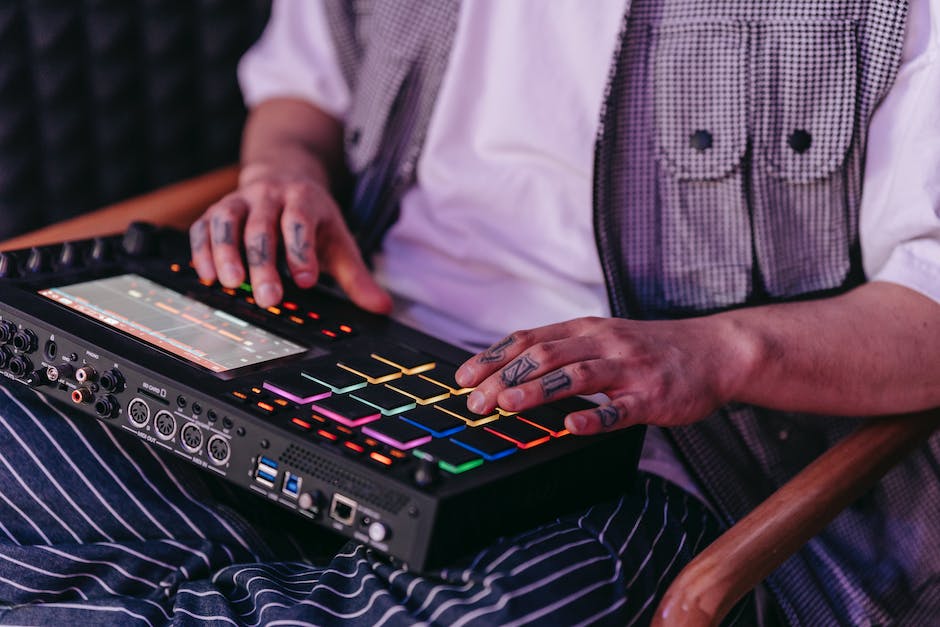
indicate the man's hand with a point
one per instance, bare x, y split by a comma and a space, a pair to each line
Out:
665, 373
290, 151
315, 237
871, 351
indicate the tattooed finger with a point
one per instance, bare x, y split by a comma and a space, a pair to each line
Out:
198, 236
517, 371
298, 245
497, 352
257, 250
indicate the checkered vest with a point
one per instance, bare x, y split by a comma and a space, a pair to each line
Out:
728, 171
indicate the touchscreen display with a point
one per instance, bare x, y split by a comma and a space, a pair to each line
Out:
175, 323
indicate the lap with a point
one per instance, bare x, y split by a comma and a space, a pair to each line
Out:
96, 528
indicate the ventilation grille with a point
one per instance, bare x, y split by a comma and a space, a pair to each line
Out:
348, 482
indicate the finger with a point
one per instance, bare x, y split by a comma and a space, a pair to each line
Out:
622, 412
534, 362
341, 258
261, 249
201, 249
584, 377
477, 368
225, 223
298, 227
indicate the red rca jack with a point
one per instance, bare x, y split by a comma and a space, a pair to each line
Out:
82, 395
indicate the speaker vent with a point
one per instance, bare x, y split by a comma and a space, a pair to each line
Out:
344, 480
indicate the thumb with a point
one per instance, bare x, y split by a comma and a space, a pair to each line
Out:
341, 258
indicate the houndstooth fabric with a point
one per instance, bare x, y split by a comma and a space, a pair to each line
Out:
728, 171
393, 55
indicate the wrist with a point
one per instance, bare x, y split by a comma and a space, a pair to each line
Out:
740, 355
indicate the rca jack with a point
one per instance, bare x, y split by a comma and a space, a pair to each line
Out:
82, 395
85, 374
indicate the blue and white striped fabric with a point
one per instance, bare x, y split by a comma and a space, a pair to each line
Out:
98, 529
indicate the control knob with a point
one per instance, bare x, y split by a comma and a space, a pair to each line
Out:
68, 256
139, 240
426, 473
100, 250
7, 266
36, 261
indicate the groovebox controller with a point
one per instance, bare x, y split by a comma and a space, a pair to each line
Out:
348, 419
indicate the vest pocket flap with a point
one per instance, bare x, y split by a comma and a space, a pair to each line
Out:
700, 98
806, 101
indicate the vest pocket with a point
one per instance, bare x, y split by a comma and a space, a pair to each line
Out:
700, 117
805, 111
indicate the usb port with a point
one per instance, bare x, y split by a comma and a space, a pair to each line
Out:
291, 485
266, 471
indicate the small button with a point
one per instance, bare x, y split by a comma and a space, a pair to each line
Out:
378, 532
354, 136
700, 140
800, 141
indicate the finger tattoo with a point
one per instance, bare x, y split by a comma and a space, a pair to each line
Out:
516, 372
609, 415
497, 352
257, 250
222, 231
299, 246
555, 382
199, 235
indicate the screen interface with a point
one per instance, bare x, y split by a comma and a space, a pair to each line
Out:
173, 322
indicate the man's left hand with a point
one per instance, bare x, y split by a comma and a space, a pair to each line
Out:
663, 372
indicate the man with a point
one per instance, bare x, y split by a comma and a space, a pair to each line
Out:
719, 287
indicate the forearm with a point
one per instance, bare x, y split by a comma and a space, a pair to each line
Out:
291, 137
873, 350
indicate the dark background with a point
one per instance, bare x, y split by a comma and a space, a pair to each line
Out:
104, 99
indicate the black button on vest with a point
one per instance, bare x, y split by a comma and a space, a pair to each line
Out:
800, 141
701, 140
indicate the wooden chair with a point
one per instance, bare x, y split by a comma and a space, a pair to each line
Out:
707, 589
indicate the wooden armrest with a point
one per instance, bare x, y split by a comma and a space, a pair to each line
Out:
176, 205
710, 585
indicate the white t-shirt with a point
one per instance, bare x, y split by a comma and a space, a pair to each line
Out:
497, 234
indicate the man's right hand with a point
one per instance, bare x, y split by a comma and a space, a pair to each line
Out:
315, 238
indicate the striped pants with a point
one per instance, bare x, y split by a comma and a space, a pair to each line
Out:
95, 528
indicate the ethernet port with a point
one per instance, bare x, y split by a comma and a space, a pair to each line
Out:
343, 509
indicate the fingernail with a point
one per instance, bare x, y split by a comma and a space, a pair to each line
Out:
512, 399
464, 375
267, 294
577, 423
476, 402
228, 274
305, 279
